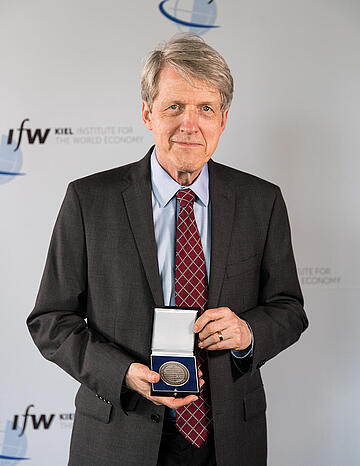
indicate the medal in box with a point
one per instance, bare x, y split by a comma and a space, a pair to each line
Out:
172, 351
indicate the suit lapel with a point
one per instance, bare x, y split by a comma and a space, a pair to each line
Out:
222, 215
137, 199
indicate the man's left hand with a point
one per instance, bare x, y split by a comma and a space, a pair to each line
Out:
222, 321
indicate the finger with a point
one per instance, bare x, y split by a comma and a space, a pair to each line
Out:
200, 323
221, 345
171, 402
207, 316
150, 376
214, 338
228, 344
176, 403
213, 327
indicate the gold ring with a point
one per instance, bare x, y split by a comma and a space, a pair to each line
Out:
220, 336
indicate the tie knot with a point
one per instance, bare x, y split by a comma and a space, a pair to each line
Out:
185, 197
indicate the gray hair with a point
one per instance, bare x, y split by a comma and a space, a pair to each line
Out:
190, 56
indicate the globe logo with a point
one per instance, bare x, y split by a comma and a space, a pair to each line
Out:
10, 161
12, 447
196, 16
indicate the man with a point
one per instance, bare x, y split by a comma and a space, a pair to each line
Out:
117, 252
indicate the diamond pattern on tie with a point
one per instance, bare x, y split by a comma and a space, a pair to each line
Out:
191, 290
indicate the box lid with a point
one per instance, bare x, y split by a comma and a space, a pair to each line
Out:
173, 330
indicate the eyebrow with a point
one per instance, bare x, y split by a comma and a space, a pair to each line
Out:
168, 101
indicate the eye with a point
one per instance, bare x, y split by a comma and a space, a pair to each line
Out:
174, 107
206, 108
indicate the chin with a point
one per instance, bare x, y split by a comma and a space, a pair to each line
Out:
189, 168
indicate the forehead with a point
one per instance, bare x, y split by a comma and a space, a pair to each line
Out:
173, 86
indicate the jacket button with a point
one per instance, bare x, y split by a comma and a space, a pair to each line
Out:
155, 418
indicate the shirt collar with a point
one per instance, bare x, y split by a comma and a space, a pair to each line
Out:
164, 187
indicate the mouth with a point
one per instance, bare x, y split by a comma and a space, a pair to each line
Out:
187, 144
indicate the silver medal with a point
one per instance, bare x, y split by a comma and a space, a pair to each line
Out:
174, 373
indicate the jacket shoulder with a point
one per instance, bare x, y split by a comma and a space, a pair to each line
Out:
114, 175
239, 180
115, 178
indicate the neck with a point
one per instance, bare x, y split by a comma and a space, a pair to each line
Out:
184, 178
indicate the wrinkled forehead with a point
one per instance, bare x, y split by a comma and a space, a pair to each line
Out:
173, 84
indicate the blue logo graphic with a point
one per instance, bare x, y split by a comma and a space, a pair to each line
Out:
10, 161
12, 447
196, 16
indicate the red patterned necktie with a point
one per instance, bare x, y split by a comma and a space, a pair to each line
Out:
194, 421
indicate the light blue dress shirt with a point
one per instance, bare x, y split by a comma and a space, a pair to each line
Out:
165, 212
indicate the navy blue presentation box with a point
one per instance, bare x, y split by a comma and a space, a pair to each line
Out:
173, 351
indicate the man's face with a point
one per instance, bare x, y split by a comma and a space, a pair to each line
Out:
186, 121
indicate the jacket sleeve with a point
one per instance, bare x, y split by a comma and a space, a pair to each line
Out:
58, 324
279, 318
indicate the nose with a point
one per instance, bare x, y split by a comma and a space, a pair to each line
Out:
189, 121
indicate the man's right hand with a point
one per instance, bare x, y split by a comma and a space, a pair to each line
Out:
139, 378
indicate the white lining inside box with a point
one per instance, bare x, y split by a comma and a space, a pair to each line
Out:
173, 332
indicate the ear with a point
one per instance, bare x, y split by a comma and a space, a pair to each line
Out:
224, 119
146, 115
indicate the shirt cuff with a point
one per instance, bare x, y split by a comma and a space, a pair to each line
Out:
241, 354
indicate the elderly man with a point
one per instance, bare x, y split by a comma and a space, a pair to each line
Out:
117, 252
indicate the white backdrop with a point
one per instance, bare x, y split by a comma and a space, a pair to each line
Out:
74, 67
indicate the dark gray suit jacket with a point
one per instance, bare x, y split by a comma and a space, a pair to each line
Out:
93, 315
